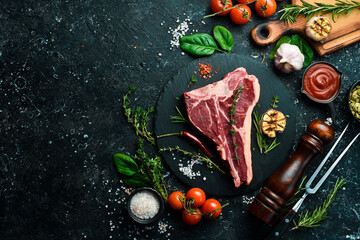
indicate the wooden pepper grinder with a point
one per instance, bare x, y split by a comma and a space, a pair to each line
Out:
283, 184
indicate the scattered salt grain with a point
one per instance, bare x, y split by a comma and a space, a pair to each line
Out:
145, 204
188, 171
179, 32
247, 200
328, 121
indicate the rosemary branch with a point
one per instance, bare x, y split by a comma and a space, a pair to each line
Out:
178, 118
292, 11
210, 164
309, 220
265, 143
138, 117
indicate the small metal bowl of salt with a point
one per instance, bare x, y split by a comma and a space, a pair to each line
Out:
145, 205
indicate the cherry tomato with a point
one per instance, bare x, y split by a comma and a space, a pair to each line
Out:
218, 5
190, 218
175, 200
245, 1
208, 208
265, 8
240, 15
196, 195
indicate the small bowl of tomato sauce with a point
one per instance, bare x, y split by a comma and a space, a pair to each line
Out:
321, 83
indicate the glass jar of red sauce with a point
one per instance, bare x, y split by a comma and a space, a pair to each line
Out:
321, 82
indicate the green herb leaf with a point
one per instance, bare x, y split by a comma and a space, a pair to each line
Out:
307, 51
125, 165
137, 180
296, 40
223, 37
284, 39
199, 44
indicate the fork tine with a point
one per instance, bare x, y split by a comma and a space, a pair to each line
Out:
332, 166
307, 185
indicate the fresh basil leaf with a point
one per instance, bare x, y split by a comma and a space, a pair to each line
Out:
125, 165
137, 180
282, 40
307, 52
296, 39
223, 38
199, 44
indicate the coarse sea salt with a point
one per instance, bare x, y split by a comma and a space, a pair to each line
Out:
145, 204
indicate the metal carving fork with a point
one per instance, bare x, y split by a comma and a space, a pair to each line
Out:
284, 223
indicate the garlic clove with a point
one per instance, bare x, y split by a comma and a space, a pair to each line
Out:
288, 58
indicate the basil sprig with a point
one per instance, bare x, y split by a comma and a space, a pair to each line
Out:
126, 166
297, 40
203, 44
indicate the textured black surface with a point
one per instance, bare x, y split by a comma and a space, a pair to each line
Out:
212, 181
65, 66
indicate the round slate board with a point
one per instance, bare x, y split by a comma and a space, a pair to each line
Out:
212, 181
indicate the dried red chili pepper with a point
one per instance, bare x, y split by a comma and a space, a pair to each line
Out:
191, 138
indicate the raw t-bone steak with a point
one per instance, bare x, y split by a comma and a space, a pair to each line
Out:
209, 111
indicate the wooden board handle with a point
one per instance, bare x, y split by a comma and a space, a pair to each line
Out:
268, 32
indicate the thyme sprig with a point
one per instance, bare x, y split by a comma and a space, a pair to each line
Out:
292, 11
232, 120
309, 220
193, 80
210, 164
138, 117
178, 118
274, 101
152, 168
265, 143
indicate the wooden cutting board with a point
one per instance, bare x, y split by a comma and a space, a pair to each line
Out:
345, 31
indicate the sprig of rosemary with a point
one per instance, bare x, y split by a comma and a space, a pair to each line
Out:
210, 164
274, 101
152, 168
138, 117
297, 196
178, 118
309, 220
232, 120
265, 143
292, 11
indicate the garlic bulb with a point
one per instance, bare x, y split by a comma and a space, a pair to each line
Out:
318, 28
288, 58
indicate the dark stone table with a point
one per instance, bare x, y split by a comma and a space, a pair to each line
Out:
65, 66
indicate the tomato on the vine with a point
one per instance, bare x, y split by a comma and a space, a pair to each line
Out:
245, 1
196, 195
191, 218
240, 15
219, 5
209, 207
176, 200
265, 8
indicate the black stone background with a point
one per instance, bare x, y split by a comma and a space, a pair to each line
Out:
65, 66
